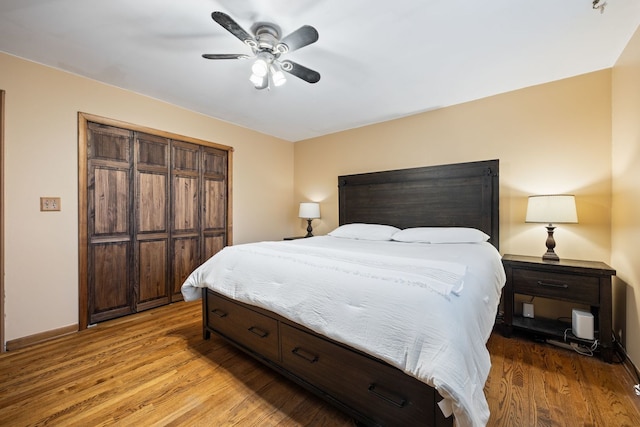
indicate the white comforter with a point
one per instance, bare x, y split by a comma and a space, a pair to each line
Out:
426, 309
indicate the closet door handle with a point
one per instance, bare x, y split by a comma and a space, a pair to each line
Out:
306, 355
219, 312
552, 285
259, 332
387, 396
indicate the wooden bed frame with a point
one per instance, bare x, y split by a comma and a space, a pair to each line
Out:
370, 390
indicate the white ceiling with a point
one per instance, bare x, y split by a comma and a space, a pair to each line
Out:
378, 59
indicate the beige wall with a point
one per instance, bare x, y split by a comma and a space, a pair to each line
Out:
552, 138
625, 255
42, 104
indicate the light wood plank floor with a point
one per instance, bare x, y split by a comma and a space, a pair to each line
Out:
153, 368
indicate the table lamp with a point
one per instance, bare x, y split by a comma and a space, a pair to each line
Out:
309, 211
551, 209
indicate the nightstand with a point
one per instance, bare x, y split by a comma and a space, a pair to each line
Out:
580, 282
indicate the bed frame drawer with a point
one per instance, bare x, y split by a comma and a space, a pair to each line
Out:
247, 327
405, 402
580, 289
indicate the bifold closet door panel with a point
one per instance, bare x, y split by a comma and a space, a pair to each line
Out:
151, 165
110, 249
186, 231
215, 183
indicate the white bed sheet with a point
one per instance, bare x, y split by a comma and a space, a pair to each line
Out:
434, 333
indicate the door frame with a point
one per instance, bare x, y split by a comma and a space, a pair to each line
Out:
83, 269
2, 238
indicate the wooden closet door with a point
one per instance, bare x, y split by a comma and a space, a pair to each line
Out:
155, 208
185, 217
151, 234
110, 249
214, 178
199, 205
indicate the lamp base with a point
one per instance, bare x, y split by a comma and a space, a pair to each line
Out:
550, 255
309, 229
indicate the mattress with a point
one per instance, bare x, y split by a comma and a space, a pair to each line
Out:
427, 309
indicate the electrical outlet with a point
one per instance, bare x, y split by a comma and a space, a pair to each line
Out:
49, 204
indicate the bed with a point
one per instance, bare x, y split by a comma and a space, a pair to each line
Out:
372, 318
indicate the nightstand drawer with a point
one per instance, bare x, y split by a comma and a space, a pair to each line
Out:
579, 289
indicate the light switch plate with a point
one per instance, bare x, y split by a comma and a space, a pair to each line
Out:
48, 204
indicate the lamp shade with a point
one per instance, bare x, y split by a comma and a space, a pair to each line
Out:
557, 208
309, 210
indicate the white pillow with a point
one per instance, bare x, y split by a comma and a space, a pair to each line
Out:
365, 231
440, 235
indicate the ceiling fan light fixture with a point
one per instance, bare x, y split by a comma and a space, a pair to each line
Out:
277, 75
262, 63
260, 68
260, 82
267, 46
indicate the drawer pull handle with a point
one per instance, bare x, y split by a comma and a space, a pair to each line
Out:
219, 312
387, 397
552, 285
259, 332
308, 356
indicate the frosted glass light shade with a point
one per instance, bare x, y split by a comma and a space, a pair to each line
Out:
260, 68
309, 210
552, 209
277, 75
259, 82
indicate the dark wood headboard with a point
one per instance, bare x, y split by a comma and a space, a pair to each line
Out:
455, 195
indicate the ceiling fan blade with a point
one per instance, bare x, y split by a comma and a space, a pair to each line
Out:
301, 37
224, 56
300, 71
232, 26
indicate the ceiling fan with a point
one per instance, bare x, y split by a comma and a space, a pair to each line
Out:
267, 47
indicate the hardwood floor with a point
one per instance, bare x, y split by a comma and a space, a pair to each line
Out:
533, 384
153, 368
